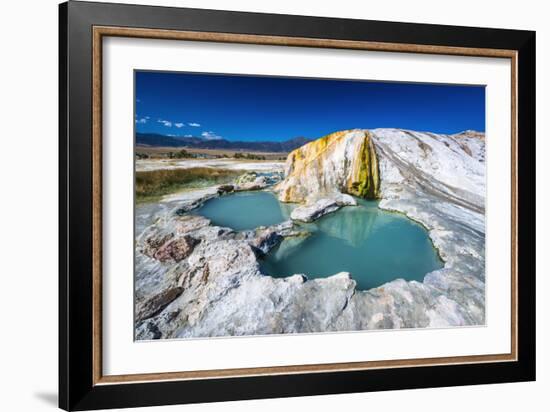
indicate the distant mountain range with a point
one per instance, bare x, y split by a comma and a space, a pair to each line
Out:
159, 140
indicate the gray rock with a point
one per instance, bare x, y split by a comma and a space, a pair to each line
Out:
263, 239
222, 189
436, 180
246, 178
259, 183
320, 207
157, 303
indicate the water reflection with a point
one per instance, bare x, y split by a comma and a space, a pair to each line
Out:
246, 210
375, 246
353, 224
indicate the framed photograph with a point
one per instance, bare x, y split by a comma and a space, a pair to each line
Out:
257, 205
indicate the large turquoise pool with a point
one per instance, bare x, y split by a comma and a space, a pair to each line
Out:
374, 245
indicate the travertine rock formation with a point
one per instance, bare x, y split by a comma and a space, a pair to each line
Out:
194, 279
343, 162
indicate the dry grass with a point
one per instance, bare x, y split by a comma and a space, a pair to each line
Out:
156, 152
153, 184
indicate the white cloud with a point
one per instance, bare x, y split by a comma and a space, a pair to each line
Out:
211, 136
194, 124
141, 120
179, 125
166, 123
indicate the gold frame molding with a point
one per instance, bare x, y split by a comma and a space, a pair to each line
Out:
103, 31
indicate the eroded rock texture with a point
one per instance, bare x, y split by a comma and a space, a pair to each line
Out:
342, 162
195, 279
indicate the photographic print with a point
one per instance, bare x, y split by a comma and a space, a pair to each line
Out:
321, 183
277, 205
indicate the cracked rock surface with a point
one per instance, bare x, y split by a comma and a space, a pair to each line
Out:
194, 279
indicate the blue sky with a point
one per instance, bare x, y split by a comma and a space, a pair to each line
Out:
278, 108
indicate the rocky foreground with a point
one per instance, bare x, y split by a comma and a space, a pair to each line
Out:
195, 279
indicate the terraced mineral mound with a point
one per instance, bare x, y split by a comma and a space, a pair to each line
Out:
343, 162
195, 279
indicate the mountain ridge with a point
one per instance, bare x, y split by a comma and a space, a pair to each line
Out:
159, 140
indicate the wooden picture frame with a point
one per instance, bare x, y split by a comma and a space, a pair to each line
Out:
82, 385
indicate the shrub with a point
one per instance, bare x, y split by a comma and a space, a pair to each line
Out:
152, 184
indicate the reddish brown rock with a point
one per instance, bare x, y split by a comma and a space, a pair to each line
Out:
176, 249
152, 244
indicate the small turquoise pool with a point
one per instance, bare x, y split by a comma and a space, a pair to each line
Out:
245, 210
374, 245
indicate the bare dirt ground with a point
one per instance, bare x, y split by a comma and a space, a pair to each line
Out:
222, 163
